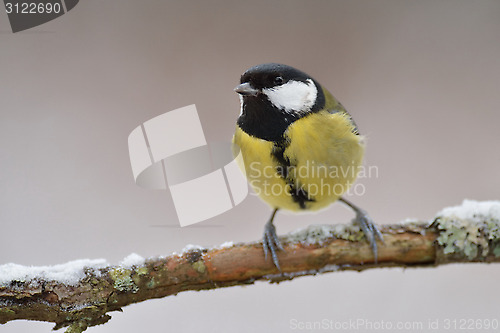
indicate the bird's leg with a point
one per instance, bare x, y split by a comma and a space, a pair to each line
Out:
271, 242
367, 225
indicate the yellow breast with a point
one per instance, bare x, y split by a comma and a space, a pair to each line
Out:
318, 160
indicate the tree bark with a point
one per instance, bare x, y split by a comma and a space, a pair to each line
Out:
316, 249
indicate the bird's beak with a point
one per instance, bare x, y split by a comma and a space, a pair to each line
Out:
246, 89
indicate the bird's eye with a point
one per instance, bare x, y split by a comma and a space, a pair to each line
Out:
278, 80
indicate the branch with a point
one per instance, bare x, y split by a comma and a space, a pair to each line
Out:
468, 233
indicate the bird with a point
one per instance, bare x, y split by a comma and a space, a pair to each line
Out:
300, 149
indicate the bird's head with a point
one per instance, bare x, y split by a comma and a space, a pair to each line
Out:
285, 88
273, 96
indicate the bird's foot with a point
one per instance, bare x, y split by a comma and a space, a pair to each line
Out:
271, 243
370, 230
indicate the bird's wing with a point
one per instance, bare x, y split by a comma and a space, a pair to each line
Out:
332, 105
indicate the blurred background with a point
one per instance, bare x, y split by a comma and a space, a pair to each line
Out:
421, 79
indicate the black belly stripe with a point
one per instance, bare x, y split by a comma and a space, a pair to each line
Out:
299, 195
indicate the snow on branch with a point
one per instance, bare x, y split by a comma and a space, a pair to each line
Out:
81, 293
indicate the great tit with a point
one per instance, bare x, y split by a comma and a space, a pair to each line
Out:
300, 148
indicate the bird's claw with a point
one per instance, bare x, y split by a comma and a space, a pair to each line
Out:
271, 243
370, 231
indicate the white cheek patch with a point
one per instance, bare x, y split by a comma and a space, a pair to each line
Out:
293, 96
241, 104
